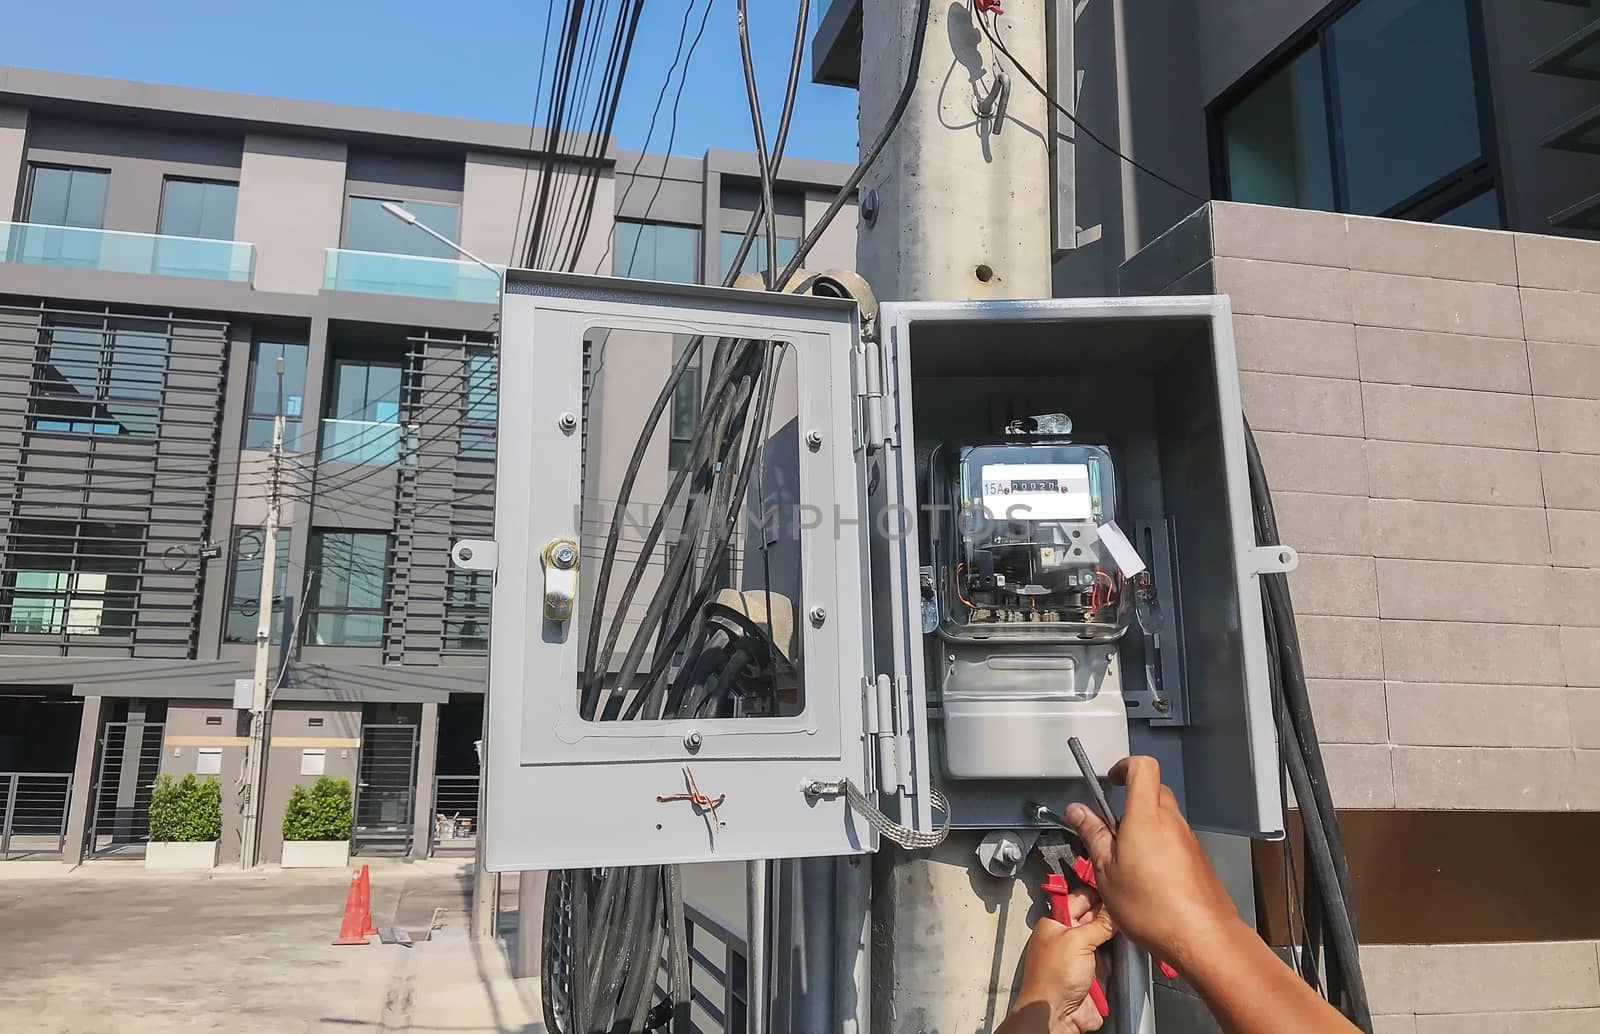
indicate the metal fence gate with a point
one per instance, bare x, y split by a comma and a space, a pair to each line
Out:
130, 757
386, 789
455, 812
34, 819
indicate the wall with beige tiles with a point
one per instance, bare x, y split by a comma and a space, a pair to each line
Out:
1427, 401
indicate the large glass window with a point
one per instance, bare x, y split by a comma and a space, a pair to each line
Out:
466, 616
685, 415
271, 394
71, 578
657, 251
199, 208
1377, 115
368, 227
347, 605
1407, 100
756, 260
100, 378
482, 403
244, 595
361, 422
1277, 139
67, 197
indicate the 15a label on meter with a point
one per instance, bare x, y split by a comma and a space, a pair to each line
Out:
1036, 492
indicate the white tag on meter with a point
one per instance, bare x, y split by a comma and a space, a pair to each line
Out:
1121, 550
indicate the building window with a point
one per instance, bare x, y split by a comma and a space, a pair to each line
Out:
1277, 140
198, 208
361, 422
244, 593
482, 403
347, 605
67, 197
100, 378
657, 251
1378, 115
756, 260
685, 413
72, 578
367, 227
466, 619
271, 395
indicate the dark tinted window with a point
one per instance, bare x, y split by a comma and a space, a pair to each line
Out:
269, 396
1482, 212
756, 260
244, 597
67, 197
657, 251
1277, 140
101, 379
347, 604
369, 228
1377, 115
1407, 105
199, 208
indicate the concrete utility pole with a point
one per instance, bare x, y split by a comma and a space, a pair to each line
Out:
256, 759
962, 213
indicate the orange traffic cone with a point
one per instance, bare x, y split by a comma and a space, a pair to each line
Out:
353, 927
366, 904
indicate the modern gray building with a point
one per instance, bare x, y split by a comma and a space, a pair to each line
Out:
181, 267
1482, 113
1399, 199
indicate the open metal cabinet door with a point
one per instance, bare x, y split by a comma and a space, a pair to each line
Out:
1153, 381
683, 724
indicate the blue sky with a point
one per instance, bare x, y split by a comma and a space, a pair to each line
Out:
472, 58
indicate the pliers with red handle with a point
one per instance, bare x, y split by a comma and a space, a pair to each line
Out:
1084, 870
1055, 885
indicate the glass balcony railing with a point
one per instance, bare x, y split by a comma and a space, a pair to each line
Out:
361, 441
378, 273
117, 251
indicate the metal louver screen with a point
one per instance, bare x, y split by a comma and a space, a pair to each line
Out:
109, 429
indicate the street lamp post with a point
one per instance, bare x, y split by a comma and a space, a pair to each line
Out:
485, 890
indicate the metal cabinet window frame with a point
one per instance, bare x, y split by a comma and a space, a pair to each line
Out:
564, 792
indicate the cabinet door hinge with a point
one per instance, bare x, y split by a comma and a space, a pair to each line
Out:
888, 729
876, 430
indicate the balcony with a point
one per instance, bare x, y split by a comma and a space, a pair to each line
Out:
373, 272
118, 251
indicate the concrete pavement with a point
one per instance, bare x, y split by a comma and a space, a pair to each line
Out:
109, 947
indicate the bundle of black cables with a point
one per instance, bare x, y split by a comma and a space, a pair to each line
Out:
1326, 908
607, 932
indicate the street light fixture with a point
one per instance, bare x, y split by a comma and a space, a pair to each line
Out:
409, 217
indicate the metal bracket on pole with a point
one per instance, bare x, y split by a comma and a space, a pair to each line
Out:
1272, 560
474, 554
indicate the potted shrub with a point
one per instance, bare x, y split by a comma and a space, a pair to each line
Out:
316, 825
185, 823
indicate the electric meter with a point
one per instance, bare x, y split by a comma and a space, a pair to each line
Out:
1022, 555
1031, 601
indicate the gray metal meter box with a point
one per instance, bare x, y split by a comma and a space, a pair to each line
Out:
720, 590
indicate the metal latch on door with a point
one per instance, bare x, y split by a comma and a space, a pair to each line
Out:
560, 558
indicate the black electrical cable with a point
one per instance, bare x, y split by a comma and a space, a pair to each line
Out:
763, 158
848, 189
672, 127
717, 491
736, 264
1049, 96
1328, 907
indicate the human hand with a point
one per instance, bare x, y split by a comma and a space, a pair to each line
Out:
1060, 964
1155, 878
